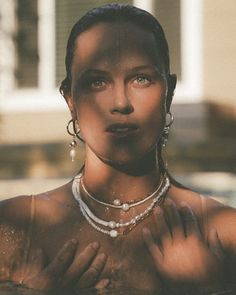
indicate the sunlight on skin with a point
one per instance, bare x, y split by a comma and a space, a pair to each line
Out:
119, 93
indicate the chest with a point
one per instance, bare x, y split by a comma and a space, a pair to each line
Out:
131, 266
128, 258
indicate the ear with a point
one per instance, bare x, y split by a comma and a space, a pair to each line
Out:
171, 83
71, 105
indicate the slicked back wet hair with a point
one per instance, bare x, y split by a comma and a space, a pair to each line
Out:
111, 13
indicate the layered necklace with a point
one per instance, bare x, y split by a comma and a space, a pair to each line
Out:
112, 227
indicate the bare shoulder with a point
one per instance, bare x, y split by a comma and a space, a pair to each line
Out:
14, 220
218, 216
16, 216
54, 204
223, 219
15, 210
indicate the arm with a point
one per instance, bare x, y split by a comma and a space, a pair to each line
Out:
223, 218
67, 271
183, 259
28, 268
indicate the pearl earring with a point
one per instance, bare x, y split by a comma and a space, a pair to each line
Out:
75, 134
166, 130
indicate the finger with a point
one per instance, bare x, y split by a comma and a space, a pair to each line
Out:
35, 264
174, 220
81, 263
16, 262
17, 266
37, 260
153, 248
191, 225
90, 277
103, 283
215, 243
35, 278
162, 230
62, 260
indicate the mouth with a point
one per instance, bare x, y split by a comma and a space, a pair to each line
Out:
122, 129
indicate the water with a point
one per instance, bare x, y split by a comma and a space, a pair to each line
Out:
10, 288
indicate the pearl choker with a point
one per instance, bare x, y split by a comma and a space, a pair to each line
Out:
111, 228
117, 203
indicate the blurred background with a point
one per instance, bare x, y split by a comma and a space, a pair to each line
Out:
34, 144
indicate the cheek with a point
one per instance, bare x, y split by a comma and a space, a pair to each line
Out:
90, 116
151, 106
153, 118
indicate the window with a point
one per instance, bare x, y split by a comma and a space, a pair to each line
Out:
67, 13
34, 35
168, 12
26, 44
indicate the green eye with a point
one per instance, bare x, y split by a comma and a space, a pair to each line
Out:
142, 80
97, 84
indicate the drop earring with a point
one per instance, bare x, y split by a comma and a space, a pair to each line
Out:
166, 130
75, 134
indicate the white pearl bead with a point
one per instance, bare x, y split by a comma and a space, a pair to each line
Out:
116, 202
72, 154
125, 207
113, 233
112, 224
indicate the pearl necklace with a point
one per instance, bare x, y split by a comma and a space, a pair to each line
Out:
117, 203
113, 225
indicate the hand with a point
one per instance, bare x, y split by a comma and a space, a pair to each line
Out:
181, 256
66, 270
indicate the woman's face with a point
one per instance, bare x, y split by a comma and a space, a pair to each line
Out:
118, 92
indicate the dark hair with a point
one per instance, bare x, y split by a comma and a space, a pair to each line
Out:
122, 12
111, 13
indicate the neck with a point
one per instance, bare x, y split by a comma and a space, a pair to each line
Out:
127, 182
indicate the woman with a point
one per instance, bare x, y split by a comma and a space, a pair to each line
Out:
127, 222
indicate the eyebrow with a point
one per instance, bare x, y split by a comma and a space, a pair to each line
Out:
92, 71
144, 67
95, 71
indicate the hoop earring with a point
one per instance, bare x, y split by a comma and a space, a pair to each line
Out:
75, 134
166, 130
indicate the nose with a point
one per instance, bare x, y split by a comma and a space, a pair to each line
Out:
121, 100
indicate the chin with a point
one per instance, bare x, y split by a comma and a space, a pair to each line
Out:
129, 159
124, 156
119, 161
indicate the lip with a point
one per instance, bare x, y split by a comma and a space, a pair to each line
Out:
122, 129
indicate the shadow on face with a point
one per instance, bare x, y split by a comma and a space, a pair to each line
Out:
106, 44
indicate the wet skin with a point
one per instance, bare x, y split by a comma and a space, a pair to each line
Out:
118, 78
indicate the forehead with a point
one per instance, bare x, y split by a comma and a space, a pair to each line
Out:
109, 43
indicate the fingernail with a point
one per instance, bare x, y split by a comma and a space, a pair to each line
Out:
74, 241
185, 207
104, 283
184, 204
95, 245
102, 256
